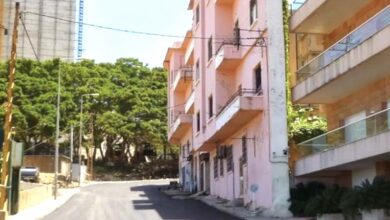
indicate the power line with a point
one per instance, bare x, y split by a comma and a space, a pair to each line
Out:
133, 31
29, 39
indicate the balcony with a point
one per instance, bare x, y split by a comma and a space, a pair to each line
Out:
189, 55
322, 16
239, 110
181, 123
228, 57
365, 50
189, 105
347, 147
183, 78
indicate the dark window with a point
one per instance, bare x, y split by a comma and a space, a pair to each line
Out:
221, 167
197, 73
237, 34
244, 149
198, 121
258, 79
188, 147
253, 11
229, 158
215, 167
210, 48
183, 151
211, 106
197, 14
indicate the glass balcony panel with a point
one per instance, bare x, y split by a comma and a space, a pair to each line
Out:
368, 127
355, 38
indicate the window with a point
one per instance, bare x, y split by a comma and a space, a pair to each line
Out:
244, 149
198, 121
188, 146
258, 79
211, 106
215, 167
197, 71
197, 14
253, 11
229, 158
183, 151
237, 36
221, 167
210, 48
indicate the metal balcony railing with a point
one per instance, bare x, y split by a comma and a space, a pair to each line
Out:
370, 126
349, 42
238, 93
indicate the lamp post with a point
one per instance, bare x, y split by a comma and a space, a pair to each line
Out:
81, 129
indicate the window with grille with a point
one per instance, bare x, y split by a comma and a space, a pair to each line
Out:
244, 149
215, 167
229, 158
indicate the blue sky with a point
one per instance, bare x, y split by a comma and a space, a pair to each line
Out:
157, 16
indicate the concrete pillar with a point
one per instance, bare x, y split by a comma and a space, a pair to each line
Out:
277, 110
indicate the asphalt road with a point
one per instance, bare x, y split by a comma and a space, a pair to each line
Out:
140, 200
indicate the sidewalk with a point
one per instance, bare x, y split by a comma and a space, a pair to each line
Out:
45, 208
223, 206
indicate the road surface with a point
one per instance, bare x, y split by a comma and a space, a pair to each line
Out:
138, 200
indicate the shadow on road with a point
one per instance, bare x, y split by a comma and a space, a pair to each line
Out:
169, 208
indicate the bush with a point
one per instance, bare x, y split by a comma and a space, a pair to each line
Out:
301, 194
327, 202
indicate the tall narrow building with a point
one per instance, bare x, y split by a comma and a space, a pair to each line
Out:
227, 104
50, 37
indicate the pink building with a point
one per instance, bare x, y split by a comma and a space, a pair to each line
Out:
226, 103
340, 54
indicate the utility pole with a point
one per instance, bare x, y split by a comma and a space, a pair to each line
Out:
71, 153
56, 156
8, 117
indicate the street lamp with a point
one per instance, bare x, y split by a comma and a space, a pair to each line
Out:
81, 128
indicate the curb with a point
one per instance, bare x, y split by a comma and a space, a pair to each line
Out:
43, 209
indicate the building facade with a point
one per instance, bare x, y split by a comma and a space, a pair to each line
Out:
226, 103
51, 38
340, 53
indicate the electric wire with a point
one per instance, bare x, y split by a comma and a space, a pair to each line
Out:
134, 31
29, 39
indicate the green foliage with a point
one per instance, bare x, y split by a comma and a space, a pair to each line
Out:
302, 125
301, 194
326, 202
130, 110
367, 196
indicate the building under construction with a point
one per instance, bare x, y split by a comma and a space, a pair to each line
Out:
40, 34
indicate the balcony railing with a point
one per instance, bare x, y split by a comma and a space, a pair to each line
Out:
368, 127
342, 47
239, 92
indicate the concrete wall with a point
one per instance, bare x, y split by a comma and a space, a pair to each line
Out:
34, 196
